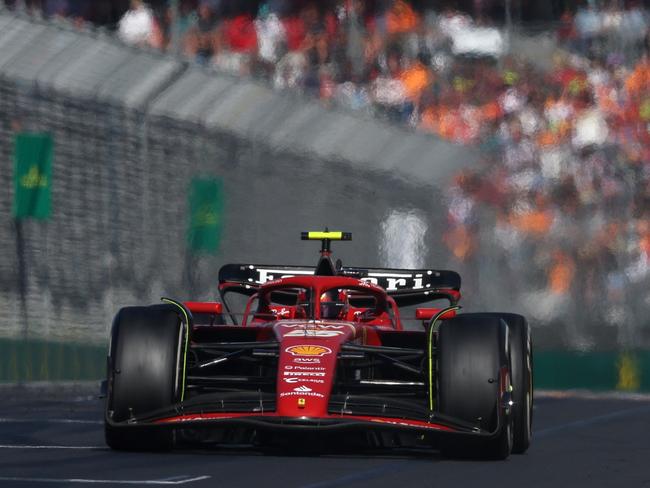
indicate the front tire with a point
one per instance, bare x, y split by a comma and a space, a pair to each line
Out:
472, 356
144, 374
521, 357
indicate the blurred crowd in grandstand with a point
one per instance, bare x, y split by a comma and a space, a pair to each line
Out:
567, 167
567, 149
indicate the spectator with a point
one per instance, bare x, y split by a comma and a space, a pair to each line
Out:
356, 38
588, 25
561, 273
401, 18
290, 70
271, 37
181, 41
415, 78
239, 44
389, 92
203, 38
137, 25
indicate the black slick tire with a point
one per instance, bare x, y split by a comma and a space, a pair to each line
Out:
472, 352
144, 374
521, 357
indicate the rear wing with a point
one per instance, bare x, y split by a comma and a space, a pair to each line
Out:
411, 286
406, 286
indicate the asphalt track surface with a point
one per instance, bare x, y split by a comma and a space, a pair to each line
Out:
55, 438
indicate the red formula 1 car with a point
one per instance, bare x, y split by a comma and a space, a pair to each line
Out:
321, 350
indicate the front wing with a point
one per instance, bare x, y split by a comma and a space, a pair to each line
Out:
198, 418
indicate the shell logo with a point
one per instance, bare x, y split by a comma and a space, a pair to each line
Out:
308, 350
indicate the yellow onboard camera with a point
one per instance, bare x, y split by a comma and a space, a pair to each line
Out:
332, 236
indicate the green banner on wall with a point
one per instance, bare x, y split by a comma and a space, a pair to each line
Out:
33, 154
206, 214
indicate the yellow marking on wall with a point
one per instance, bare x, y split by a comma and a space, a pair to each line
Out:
33, 179
629, 378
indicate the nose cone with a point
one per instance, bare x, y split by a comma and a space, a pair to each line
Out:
308, 358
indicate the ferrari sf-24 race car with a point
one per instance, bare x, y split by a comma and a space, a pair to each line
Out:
322, 350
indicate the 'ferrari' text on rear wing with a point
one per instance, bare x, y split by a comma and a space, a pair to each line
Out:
416, 284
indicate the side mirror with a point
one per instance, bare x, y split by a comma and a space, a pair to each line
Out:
429, 313
204, 307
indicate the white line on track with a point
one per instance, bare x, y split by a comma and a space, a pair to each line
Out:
27, 446
169, 481
592, 395
590, 421
6, 420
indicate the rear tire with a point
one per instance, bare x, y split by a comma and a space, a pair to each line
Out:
471, 354
144, 374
